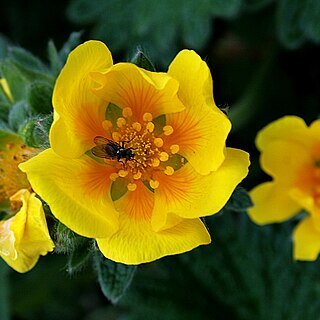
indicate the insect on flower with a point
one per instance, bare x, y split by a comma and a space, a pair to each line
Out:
109, 149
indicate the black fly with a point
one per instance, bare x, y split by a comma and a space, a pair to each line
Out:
106, 148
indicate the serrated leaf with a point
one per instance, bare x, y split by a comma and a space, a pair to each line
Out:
142, 61
240, 200
39, 96
18, 115
114, 278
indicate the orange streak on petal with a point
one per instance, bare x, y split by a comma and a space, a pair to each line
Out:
137, 204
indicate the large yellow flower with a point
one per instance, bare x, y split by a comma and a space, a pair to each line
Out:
172, 166
290, 153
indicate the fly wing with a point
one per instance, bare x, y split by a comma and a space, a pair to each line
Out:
101, 140
100, 151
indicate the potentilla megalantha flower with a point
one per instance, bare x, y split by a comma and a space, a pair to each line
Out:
290, 154
136, 156
24, 234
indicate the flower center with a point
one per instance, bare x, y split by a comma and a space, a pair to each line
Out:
138, 149
11, 178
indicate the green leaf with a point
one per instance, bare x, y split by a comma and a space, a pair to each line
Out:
240, 200
18, 115
39, 97
54, 58
224, 8
310, 19
35, 132
17, 82
32, 67
4, 292
114, 278
288, 16
80, 254
142, 61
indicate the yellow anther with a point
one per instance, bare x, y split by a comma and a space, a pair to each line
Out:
169, 171
127, 112
158, 142
147, 116
150, 126
174, 148
106, 124
164, 156
137, 175
121, 122
114, 176
131, 186
123, 173
155, 162
116, 136
167, 130
136, 126
154, 184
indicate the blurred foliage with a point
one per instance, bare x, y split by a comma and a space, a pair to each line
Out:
264, 56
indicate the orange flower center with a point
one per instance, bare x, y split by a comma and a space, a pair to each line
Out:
141, 148
11, 178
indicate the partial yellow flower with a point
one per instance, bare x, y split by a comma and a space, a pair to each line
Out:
290, 154
24, 237
137, 157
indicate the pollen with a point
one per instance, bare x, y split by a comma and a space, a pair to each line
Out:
155, 162
150, 126
169, 171
114, 176
158, 142
131, 186
137, 175
154, 184
167, 130
123, 173
106, 125
164, 156
127, 112
147, 116
137, 126
121, 122
174, 148
116, 136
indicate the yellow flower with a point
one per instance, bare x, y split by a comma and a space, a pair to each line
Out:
24, 237
172, 165
290, 154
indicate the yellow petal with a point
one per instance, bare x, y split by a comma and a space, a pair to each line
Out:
272, 203
194, 78
77, 192
136, 242
188, 194
290, 128
128, 86
306, 241
201, 136
78, 112
201, 129
284, 159
30, 235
